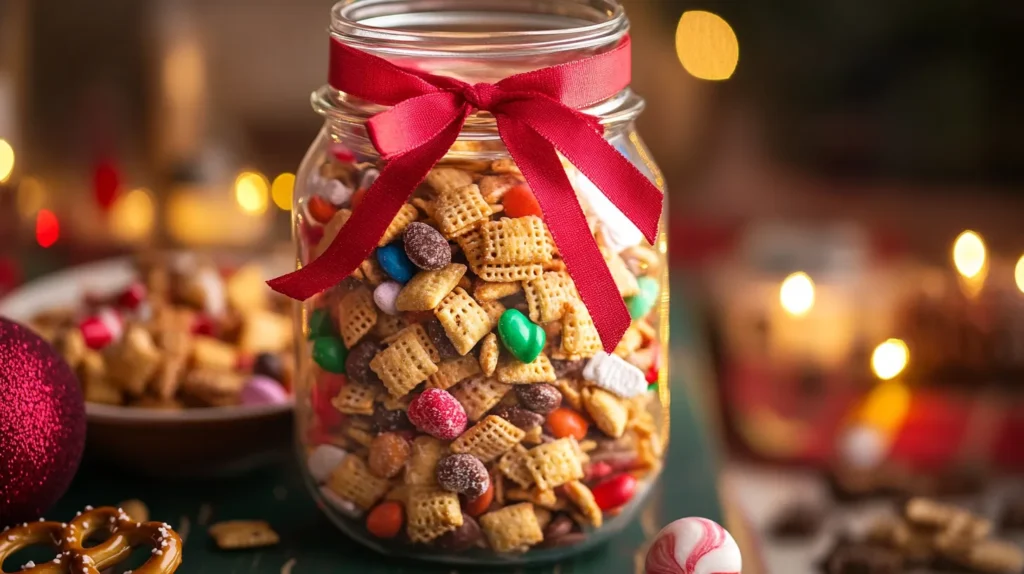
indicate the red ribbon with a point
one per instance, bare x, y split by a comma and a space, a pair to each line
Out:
536, 115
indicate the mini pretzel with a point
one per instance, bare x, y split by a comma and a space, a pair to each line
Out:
73, 558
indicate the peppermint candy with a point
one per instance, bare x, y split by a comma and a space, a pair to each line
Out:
614, 374
693, 546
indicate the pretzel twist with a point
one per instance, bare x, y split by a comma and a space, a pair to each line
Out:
68, 539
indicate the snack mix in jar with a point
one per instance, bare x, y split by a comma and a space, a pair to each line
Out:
455, 398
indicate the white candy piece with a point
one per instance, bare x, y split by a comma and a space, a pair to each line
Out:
618, 231
323, 460
616, 375
385, 296
693, 546
330, 189
215, 297
340, 504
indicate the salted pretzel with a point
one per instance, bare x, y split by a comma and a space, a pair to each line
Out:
67, 540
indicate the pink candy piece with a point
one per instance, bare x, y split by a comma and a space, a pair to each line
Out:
693, 546
261, 390
102, 329
133, 296
385, 296
438, 414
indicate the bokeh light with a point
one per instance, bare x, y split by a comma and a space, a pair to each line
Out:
31, 197
886, 406
6, 160
969, 254
797, 294
132, 215
47, 228
251, 189
1018, 273
706, 45
281, 191
889, 359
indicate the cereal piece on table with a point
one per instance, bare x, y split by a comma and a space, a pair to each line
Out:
489, 354
555, 463
134, 361
356, 316
518, 241
479, 395
388, 325
579, 335
135, 509
265, 332
485, 291
213, 386
406, 215
421, 469
427, 288
168, 378
513, 465
513, 528
623, 277
545, 498
448, 179
505, 165
458, 211
421, 335
607, 410
472, 245
240, 534
403, 365
246, 290
583, 498
353, 481
432, 512
570, 389
453, 371
356, 398
488, 439
331, 230
463, 319
614, 374
547, 295
631, 341
212, 353
516, 373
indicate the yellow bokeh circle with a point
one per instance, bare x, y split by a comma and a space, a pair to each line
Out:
706, 45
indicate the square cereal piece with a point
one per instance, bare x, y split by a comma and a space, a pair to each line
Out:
331, 230
421, 468
623, 277
168, 378
494, 187
421, 335
535, 496
236, 534
484, 291
388, 325
392, 404
505, 165
406, 215
534, 436
448, 179
353, 481
432, 512
452, 372
555, 463
463, 319
472, 245
265, 332
514, 372
427, 288
512, 528
488, 439
489, 352
213, 386
361, 437
479, 395
513, 465
371, 272
583, 498
579, 335
357, 314
547, 295
212, 353
134, 361
570, 389
458, 211
494, 309
631, 341
404, 364
356, 398
515, 241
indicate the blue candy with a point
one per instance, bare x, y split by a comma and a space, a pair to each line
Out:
395, 262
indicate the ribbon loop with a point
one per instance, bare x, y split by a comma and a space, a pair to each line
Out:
537, 115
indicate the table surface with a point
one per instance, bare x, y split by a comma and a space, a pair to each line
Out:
310, 543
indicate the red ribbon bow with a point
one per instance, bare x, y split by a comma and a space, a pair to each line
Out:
536, 115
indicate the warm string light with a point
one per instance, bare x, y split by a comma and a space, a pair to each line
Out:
282, 189
251, 190
132, 215
47, 228
6, 160
890, 359
796, 295
706, 45
1018, 274
969, 254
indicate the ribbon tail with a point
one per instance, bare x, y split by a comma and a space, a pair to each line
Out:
370, 219
536, 157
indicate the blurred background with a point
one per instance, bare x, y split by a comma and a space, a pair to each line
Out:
844, 187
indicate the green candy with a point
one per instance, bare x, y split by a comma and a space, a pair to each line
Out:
330, 353
640, 305
320, 324
522, 337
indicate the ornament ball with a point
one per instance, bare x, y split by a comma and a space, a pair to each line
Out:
42, 424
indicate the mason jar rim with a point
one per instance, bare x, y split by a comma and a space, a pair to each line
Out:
483, 28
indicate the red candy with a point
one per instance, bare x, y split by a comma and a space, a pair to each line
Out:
132, 296
342, 153
102, 329
320, 209
599, 470
520, 202
203, 325
438, 414
615, 491
652, 375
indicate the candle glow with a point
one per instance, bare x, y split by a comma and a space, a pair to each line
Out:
797, 294
889, 359
969, 254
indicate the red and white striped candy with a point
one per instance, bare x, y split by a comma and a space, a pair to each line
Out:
693, 546
102, 329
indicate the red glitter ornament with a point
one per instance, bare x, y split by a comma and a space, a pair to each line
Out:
42, 424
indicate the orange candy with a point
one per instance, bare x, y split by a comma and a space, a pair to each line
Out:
480, 504
520, 202
385, 520
565, 422
320, 209
357, 197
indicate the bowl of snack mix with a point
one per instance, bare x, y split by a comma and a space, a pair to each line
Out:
185, 361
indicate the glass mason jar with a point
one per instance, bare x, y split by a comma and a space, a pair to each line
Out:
421, 429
